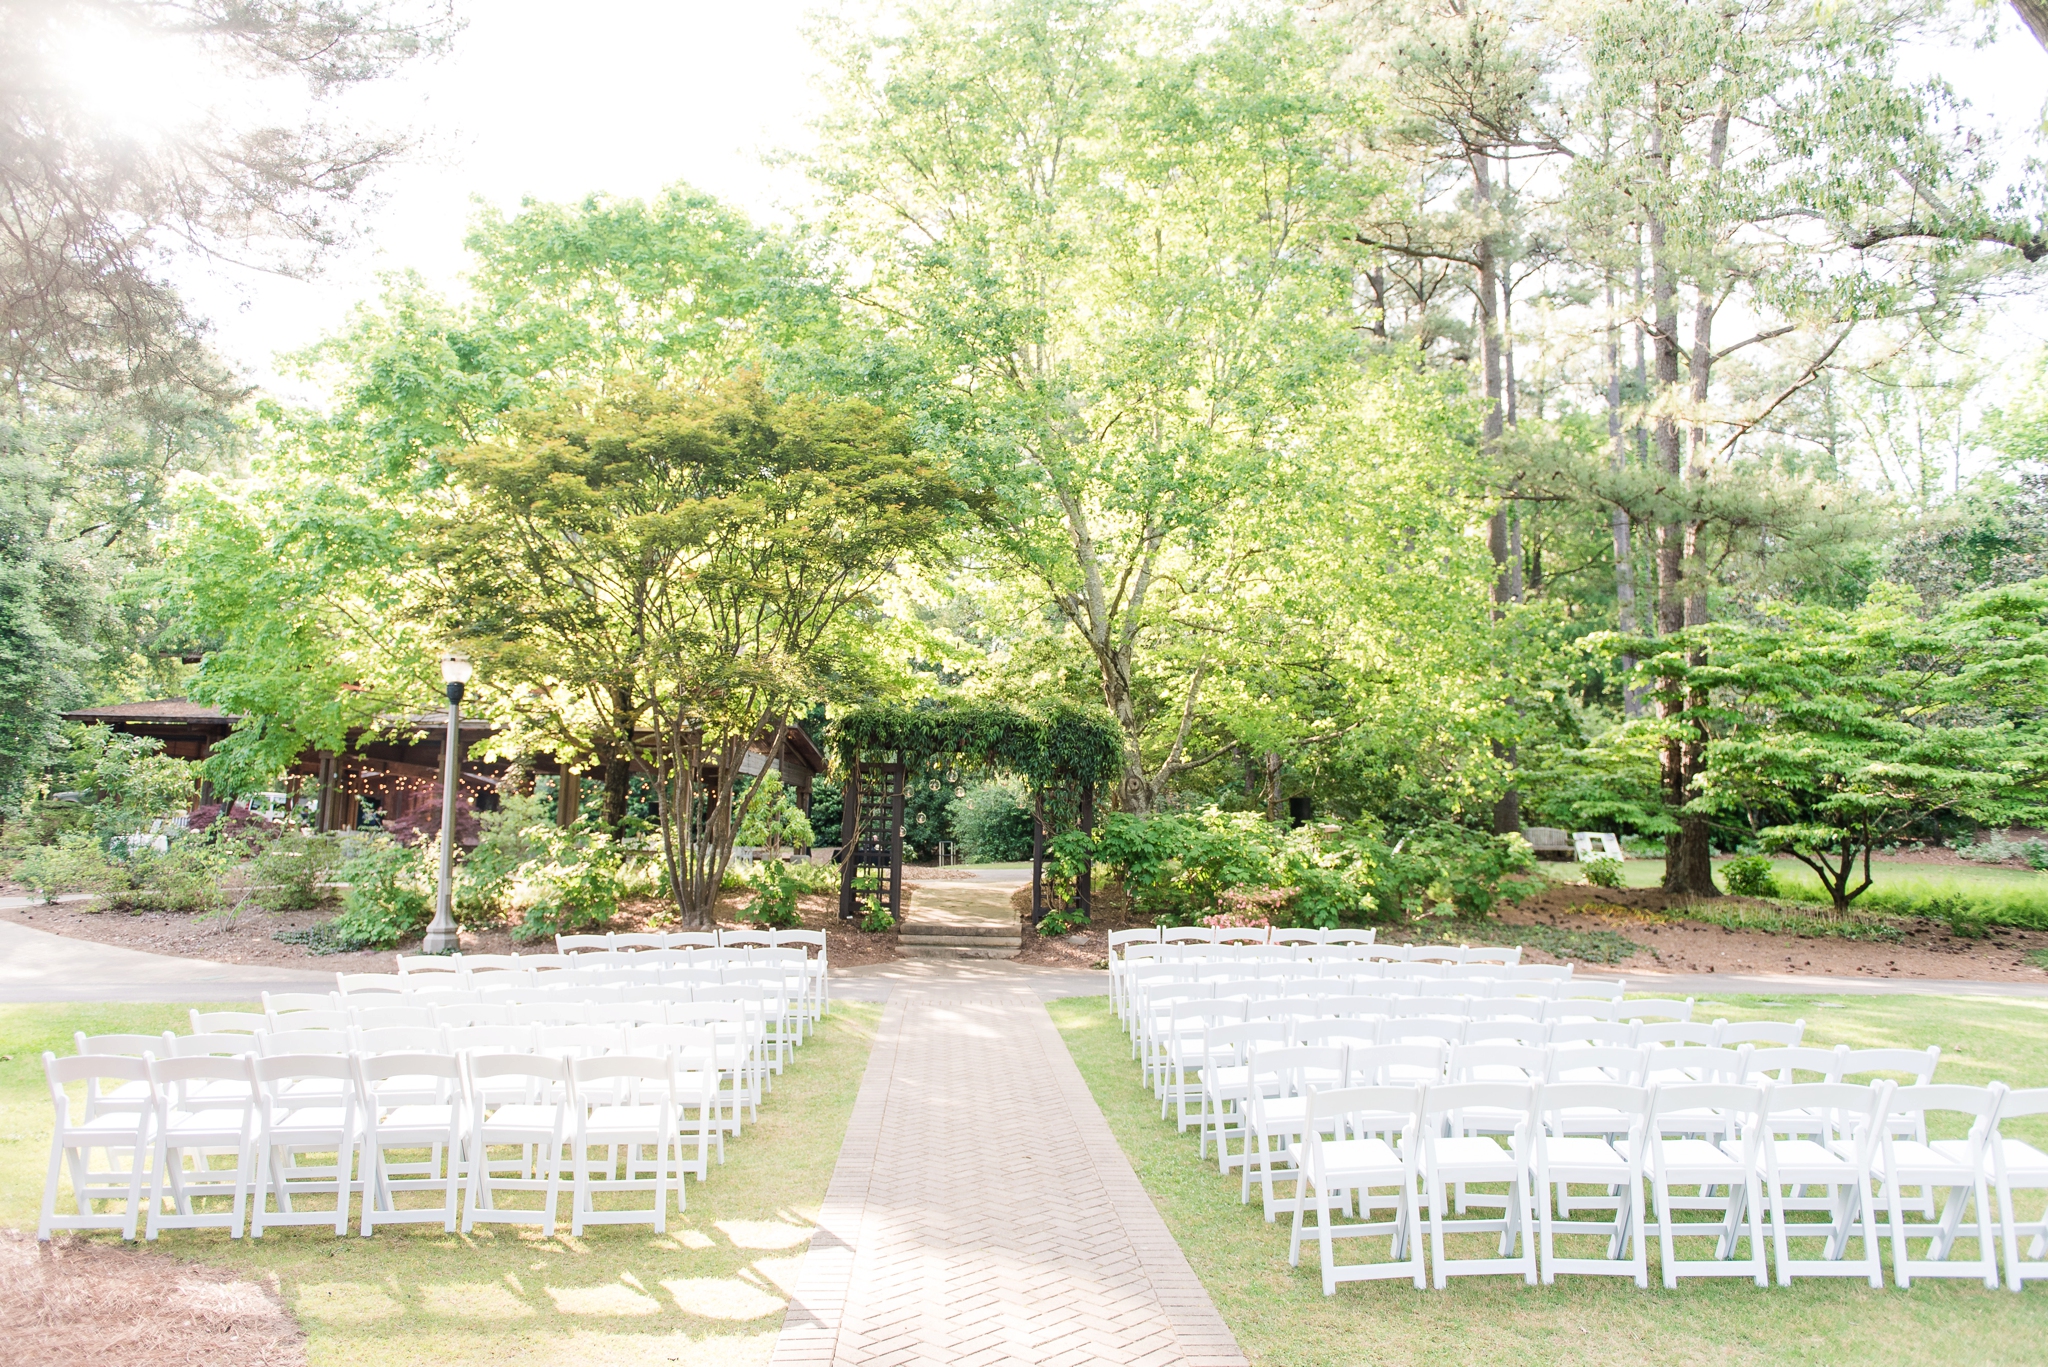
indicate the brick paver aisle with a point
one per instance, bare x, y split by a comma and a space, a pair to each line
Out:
982, 1213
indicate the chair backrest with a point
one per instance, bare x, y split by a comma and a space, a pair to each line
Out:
1540, 973
1780, 1033
127, 1046
1679, 1033
368, 985
1467, 1059
207, 1046
1784, 1065
639, 1069
417, 965
227, 1022
472, 1013
580, 1041
1389, 1061
583, 944
1710, 1063
1560, 1099
496, 963
1684, 1100
1180, 935
277, 1003
277, 1068
167, 1075
1493, 954
549, 1013
808, 938
1352, 1034
1847, 1110
1594, 1032
1357, 1008
305, 1043
1370, 1105
1519, 1012
2021, 1102
489, 1039
627, 1012
1981, 1102
690, 939
91, 1069
1445, 1097
1574, 1009
1297, 1069
1656, 1009
1526, 1034
1917, 1064
312, 1020
1350, 937
1569, 1066
401, 1039
391, 1017
378, 1067
495, 1064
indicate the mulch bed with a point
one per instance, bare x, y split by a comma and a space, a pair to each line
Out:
81, 1303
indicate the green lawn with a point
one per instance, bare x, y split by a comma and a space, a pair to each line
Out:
1899, 877
1280, 1315
711, 1291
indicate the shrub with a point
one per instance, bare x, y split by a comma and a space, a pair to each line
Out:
993, 822
74, 864
1966, 921
1062, 921
389, 897
188, 876
773, 818
572, 887
1996, 849
774, 904
1467, 870
286, 874
878, 919
1750, 875
506, 839
1602, 872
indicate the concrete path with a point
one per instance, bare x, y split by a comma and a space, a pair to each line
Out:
36, 966
981, 1212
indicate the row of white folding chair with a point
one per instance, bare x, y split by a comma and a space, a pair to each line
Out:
748, 945
270, 1111
784, 1005
1450, 1136
1232, 982
781, 1025
614, 943
1308, 936
1220, 1069
1183, 1025
1375, 999
742, 1024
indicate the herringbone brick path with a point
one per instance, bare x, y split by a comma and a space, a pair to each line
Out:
981, 1212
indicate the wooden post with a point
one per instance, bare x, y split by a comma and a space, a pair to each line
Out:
894, 848
568, 796
849, 838
1084, 881
324, 813
1037, 857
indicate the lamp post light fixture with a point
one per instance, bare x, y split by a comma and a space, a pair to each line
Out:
441, 935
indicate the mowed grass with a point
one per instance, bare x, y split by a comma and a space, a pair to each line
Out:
1281, 1316
1893, 881
712, 1290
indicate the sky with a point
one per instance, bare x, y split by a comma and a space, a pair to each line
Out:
556, 101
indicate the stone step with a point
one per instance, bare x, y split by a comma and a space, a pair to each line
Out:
1007, 930
987, 950
948, 940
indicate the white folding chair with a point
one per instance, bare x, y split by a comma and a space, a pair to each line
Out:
1638, 1009
306, 1105
433, 1125
1280, 1083
521, 1101
1451, 1159
204, 1103
79, 1135
1839, 1160
1346, 1167
287, 1003
1958, 1167
638, 1112
693, 1052
1612, 1160
1730, 1164
227, 1022
2018, 1166
1770, 1034
368, 988
123, 1095
1226, 1083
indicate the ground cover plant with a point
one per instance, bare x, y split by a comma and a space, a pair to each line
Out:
710, 1291
1280, 1315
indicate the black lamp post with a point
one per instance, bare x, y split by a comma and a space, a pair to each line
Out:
441, 935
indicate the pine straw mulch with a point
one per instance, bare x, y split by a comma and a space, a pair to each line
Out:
82, 1303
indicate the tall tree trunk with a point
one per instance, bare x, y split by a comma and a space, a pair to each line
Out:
1624, 549
618, 766
1507, 811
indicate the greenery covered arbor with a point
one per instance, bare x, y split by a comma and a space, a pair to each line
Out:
1061, 751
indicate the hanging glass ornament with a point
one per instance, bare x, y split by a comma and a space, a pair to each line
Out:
959, 792
920, 818
935, 785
